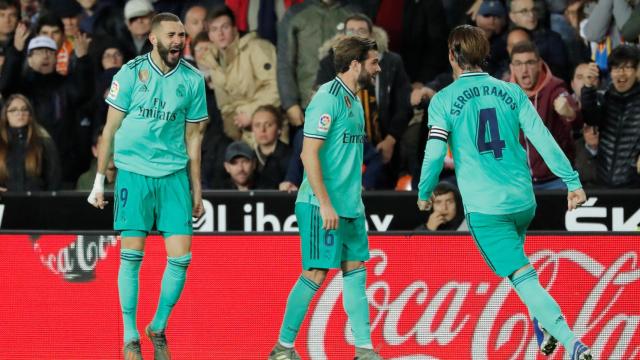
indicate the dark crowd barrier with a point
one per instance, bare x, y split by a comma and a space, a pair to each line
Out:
260, 211
430, 297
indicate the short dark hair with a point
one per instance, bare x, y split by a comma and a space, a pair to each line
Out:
623, 54
165, 16
349, 49
219, 11
520, 28
5, 4
49, 19
201, 37
277, 114
469, 45
359, 17
445, 188
525, 47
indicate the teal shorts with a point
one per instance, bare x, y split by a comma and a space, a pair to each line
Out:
500, 239
140, 200
322, 249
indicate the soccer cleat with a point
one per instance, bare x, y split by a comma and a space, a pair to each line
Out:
580, 351
160, 347
546, 343
132, 350
367, 354
280, 352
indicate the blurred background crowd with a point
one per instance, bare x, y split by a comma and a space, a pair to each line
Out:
577, 60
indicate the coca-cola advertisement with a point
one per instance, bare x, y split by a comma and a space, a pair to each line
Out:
431, 297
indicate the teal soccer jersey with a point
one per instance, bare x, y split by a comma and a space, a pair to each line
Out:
151, 139
335, 115
480, 118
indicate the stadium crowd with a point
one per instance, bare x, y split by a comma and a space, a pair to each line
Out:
577, 60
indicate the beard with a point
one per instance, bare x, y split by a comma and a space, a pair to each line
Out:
365, 79
164, 53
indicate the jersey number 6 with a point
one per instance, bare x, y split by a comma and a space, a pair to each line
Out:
495, 144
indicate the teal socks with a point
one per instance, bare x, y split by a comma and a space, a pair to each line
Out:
356, 305
542, 306
130, 261
173, 281
297, 305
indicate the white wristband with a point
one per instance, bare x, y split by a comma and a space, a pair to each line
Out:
98, 183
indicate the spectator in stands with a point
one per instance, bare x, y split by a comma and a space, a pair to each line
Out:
304, 28
30, 10
54, 97
69, 11
272, 154
85, 181
240, 164
606, 20
51, 25
424, 44
102, 19
491, 18
447, 212
386, 102
243, 73
617, 115
194, 24
8, 21
585, 162
555, 106
28, 156
577, 47
523, 13
137, 15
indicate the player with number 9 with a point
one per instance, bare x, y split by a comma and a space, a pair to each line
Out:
480, 118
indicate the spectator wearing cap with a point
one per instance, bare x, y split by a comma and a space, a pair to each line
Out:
491, 18
137, 15
303, 29
9, 15
55, 97
240, 164
242, 74
49, 24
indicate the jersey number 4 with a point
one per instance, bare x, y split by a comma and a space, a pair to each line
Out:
495, 144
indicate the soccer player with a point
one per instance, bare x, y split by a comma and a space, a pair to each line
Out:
481, 118
150, 100
329, 205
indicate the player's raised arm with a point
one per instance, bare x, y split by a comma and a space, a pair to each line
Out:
535, 130
105, 150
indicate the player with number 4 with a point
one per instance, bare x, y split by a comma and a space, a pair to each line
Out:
480, 118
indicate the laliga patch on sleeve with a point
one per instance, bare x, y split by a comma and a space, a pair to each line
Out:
324, 123
114, 90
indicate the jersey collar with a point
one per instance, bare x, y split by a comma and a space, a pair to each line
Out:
157, 69
473, 73
345, 87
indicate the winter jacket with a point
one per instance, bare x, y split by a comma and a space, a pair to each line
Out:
301, 32
55, 99
542, 96
393, 86
243, 77
617, 116
19, 180
273, 168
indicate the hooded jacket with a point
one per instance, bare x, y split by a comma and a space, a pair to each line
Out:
393, 86
547, 89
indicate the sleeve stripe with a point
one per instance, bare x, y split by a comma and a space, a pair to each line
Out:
438, 133
314, 136
198, 120
437, 138
115, 106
